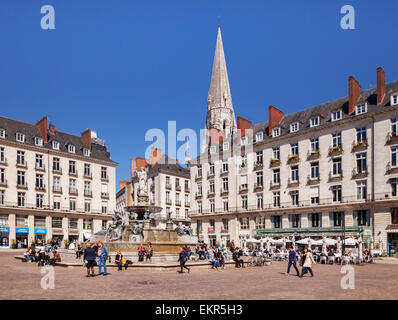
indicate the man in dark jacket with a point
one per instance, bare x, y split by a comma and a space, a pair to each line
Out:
236, 257
182, 258
292, 261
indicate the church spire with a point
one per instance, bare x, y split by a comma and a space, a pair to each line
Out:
220, 111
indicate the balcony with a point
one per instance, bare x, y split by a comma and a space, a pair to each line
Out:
22, 185
359, 145
187, 204
73, 173
22, 164
293, 158
41, 188
243, 188
105, 178
224, 192
87, 175
3, 161
313, 180
274, 185
3, 183
243, 168
258, 166
392, 138
211, 229
73, 191
57, 170
168, 202
359, 174
210, 175
391, 169
223, 173
211, 194
258, 187
313, 155
57, 189
39, 167
335, 150
293, 183
178, 188
168, 186
178, 203
88, 193
104, 195
198, 195
335, 177
198, 177
274, 163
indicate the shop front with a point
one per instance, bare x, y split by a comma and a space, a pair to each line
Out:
392, 244
4, 237
74, 236
21, 237
58, 236
40, 236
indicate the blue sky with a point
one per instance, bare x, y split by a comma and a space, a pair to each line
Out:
123, 67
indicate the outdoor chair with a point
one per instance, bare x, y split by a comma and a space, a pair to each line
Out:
331, 260
323, 258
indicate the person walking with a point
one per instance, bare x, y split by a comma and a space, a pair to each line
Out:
103, 255
292, 261
308, 260
89, 259
182, 259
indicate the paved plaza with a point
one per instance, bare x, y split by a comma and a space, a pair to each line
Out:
22, 281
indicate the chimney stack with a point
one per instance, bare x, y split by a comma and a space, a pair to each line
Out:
381, 85
156, 154
42, 126
354, 93
86, 137
274, 118
51, 128
243, 125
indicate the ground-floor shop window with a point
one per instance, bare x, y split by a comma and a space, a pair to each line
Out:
4, 239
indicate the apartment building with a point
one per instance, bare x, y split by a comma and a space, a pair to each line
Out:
53, 185
168, 187
325, 171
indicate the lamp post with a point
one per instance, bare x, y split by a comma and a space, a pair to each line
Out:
343, 221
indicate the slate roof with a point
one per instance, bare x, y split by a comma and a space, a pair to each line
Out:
30, 131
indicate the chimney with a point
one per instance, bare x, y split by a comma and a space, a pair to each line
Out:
354, 93
86, 137
122, 184
243, 125
133, 167
129, 194
42, 126
51, 128
156, 154
274, 118
381, 85
141, 163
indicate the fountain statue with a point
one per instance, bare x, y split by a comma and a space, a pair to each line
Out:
127, 231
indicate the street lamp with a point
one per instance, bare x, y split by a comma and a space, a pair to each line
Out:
343, 234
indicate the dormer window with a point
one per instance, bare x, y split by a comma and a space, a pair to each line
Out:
38, 141
71, 148
243, 141
336, 115
2, 134
394, 99
55, 145
276, 132
86, 152
20, 137
259, 136
294, 127
314, 122
361, 109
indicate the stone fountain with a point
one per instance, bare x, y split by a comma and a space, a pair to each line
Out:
128, 231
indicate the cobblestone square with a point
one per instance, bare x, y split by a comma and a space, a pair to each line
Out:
22, 281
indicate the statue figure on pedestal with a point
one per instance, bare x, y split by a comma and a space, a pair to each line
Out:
115, 230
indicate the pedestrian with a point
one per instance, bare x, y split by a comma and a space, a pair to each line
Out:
89, 259
236, 257
149, 252
292, 261
141, 252
103, 255
308, 260
78, 251
182, 259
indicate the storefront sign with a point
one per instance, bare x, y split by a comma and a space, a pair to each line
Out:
73, 231
40, 231
58, 231
5, 229
21, 230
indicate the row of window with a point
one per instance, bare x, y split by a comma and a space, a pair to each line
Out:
20, 137
21, 202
